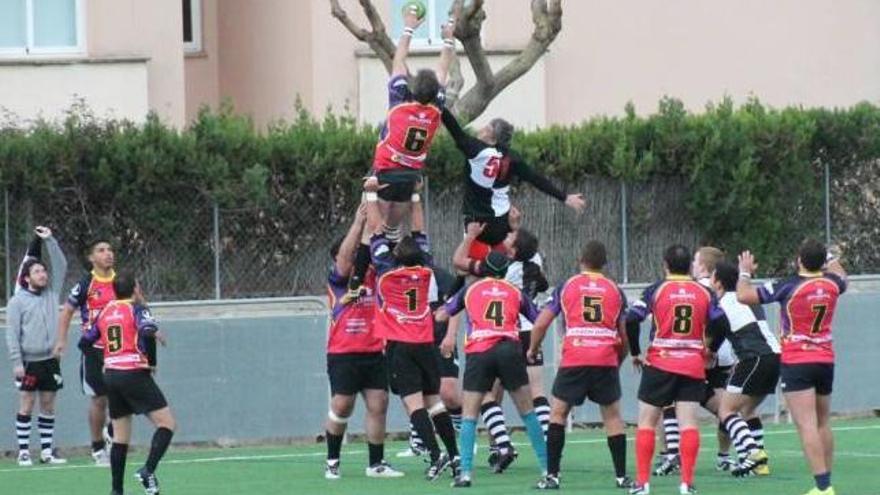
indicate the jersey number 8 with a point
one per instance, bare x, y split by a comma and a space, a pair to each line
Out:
416, 138
682, 322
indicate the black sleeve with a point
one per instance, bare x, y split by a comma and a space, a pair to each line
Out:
468, 144
528, 174
534, 280
35, 248
717, 330
632, 334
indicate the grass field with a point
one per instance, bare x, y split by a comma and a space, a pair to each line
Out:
586, 469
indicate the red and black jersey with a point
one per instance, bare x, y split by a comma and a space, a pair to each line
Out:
90, 295
352, 328
593, 307
122, 328
409, 129
808, 302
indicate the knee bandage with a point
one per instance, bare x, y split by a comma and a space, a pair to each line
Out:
436, 409
332, 416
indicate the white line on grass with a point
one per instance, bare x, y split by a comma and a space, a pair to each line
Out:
259, 457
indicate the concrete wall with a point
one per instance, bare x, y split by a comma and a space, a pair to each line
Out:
202, 70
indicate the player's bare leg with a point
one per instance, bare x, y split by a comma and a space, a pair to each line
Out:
645, 441
803, 406
559, 411
823, 415
539, 400
23, 426
443, 425
46, 422
501, 451
470, 411
165, 425
522, 399
615, 431
119, 452
393, 214
376, 401
712, 405
341, 407
686, 412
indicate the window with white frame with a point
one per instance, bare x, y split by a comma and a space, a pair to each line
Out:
41, 27
192, 26
429, 32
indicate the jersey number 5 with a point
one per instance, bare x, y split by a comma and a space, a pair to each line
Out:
682, 322
495, 313
592, 309
114, 338
416, 138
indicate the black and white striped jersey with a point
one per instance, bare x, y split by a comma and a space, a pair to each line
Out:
749, 332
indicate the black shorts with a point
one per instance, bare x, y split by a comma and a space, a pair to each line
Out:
132, 392
715, 378
662, 388
756, 376
42, 376
352, 373
496, 229
525, 339
504, 361
91, 372
412, 368
401, 184
796, 377
600, 384
448, 365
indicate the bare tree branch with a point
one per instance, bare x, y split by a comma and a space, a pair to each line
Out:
377, 38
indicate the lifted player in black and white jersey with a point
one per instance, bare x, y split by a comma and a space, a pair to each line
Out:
756, 373
491, 167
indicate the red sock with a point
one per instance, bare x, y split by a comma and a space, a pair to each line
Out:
690, 446
644, 454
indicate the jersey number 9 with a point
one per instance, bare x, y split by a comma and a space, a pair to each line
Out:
416, 138
114, 338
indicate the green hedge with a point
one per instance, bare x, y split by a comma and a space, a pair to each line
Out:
753, 172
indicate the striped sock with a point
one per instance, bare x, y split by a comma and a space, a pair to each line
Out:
740, 435
455, 416
542, 411
46, 425
415, 441
493, 418
23, 431
670, 431
757, 428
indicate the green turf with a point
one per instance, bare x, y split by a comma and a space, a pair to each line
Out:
586, 469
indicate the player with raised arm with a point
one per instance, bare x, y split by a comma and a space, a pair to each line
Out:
355, 360
491, 167
593, 309
32, 318
492, 352
755, 374
808, 301
405, 289
123, 327
414, 103
685, 316
89, 296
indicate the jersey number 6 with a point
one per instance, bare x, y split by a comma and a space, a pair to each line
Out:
416, 138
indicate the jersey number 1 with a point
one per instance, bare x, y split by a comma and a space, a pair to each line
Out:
416, 138
412, 300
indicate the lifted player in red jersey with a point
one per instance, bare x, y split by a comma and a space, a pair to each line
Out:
593, 308
355, 360
123, 329
684, 313
493, 352
808, 301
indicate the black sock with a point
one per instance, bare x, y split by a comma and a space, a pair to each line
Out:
555, 443
110, 424
334, 446
757, 429
446, 432
542, 411
97, 446
422, 423
617, 446
377, 452
361, 265
455, 416
118, 453
161, 441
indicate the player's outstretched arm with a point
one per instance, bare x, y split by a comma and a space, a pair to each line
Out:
460, 259
345, 258
63, 329
411, 22
539, 331
746, 293
574, 201
374, 216
833, 264
417, 218
447, 53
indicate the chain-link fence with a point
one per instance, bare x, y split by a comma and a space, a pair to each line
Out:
214, 252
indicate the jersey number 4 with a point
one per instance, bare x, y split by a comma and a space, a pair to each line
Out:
495, 313
416, 138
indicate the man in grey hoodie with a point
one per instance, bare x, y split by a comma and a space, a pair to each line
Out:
32, 317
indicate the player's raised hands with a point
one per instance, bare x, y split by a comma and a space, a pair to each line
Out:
371, 184
532, 355
43, 232
747, 263
576, 202
411, 17
447, 30
474, 229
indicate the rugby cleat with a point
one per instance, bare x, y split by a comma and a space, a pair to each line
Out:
762, 470
494, 452
671, 464
724, 463
437, 467
24, 459
455, 466
625, 482
382, 470
462, 481
640, 489
50, 456
816, 491
505, 459
748, 465
101, 458
331, 470
685, 489
549, 482
148, 481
